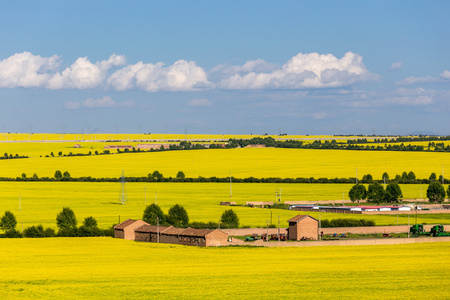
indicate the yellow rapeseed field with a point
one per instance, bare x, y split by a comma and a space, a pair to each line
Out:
245, 162
106, 268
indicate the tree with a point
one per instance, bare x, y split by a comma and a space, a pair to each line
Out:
448, 192
375, 193
411, 176
230, 219
178, 216
357, 193
58, 174
180, 175
155, 176
367, 178
436, 192
24, 175
90, 222
89, 228
66, 174
385, 177
404, 176
393, 192
151, 213
8, 221
66, 220
432, 177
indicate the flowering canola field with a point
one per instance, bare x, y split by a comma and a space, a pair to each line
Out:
245, 162
75, 268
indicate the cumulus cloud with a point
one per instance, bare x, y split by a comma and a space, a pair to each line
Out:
83, 74
180, 76
199, 102
26, 70
396, 66
311, 70
302, 71
103, 102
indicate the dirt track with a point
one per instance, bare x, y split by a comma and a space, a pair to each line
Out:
348, 242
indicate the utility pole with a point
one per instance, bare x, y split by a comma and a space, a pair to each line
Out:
231, 191
278, 228
157, 230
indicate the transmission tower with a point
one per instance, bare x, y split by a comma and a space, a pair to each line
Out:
123, 189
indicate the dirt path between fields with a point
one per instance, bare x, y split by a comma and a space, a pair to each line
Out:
347, 242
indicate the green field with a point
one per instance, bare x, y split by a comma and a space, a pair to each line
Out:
41, 201
106, 268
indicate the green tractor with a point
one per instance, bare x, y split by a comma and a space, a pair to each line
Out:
417, 230
438, 230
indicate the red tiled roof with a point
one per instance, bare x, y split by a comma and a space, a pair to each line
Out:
173, 231
124, 224
151, 229
196, 232
300, 217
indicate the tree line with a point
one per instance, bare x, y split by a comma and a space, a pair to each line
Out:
376, 193
156, 176
178, 217
66, 222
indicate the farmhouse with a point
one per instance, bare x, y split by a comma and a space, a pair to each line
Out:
126, 229
303, 227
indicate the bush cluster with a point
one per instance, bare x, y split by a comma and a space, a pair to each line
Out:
346, 223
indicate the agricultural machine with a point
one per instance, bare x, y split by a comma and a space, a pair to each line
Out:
436, 230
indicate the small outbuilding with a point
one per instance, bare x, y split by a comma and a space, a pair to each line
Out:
303, 227
126, 229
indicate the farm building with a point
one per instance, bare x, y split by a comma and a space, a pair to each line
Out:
126, 229
182, 236
118, 147
303, 227
152, 146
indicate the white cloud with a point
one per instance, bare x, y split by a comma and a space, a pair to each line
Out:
181, 76
199, 102
309, 70
443, 78
26, 70
396, 66
399, 97
445, 74
83, 74
103, 102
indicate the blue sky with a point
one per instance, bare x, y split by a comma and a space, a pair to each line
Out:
303, 67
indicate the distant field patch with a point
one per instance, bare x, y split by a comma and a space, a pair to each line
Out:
245, 162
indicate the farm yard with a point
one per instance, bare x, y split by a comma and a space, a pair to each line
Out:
75, 268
